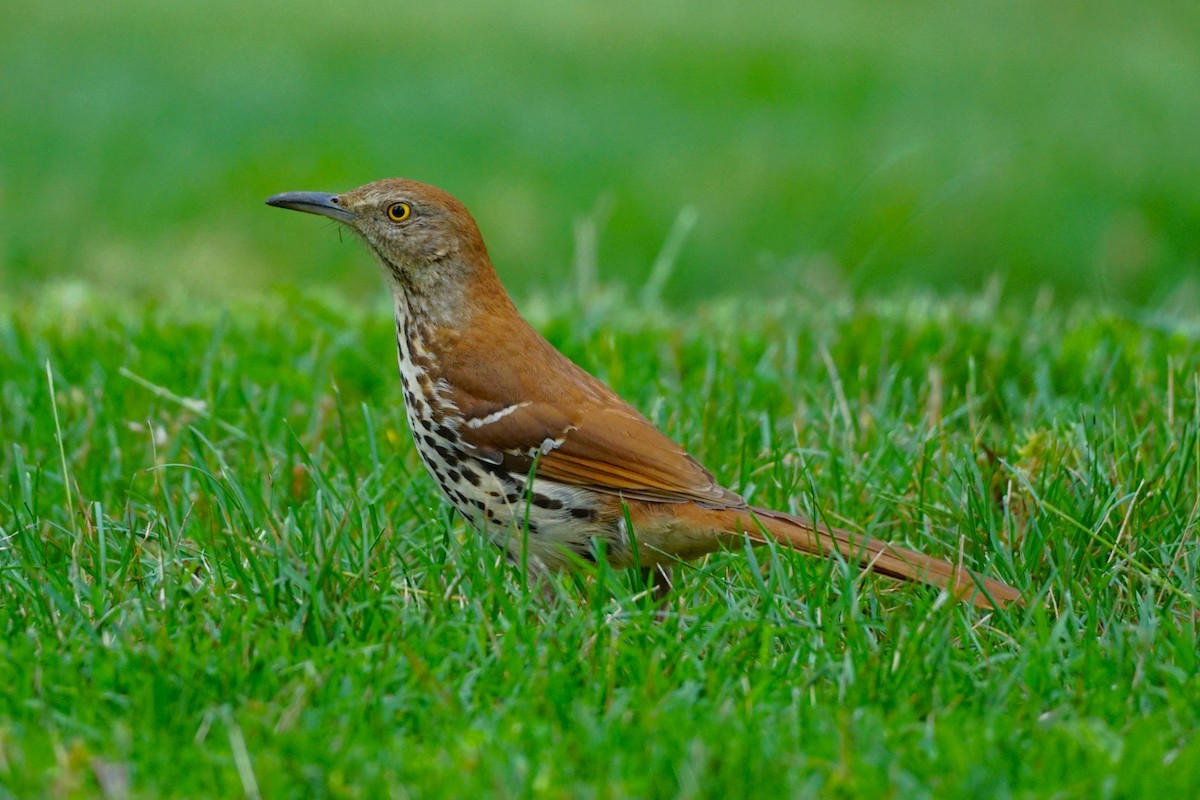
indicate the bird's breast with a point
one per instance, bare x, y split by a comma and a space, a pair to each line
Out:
550, 519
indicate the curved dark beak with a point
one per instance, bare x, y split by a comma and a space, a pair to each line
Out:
327, 205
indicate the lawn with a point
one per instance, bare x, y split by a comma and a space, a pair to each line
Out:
223, 570
929, 271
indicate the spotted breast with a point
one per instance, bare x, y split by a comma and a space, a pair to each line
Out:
544, 521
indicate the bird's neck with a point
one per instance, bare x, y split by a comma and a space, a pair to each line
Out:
441, 312
455, 293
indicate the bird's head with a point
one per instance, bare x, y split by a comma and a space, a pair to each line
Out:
424, 239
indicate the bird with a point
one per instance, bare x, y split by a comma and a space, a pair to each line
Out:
536, 453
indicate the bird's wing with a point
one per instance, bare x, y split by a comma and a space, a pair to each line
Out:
583, 435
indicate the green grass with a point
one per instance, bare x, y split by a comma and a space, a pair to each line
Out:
846, 144
222, 570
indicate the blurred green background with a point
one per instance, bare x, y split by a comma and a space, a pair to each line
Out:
860, 145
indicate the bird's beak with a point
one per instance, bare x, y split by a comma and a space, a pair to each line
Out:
327, 205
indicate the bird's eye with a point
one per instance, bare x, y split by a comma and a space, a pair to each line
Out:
398, 212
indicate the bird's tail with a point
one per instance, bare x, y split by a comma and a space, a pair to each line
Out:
872, 554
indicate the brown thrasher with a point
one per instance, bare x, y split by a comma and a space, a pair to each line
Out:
492, 403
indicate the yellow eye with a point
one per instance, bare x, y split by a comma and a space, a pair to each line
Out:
398, 212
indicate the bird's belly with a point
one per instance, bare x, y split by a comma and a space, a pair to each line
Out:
550, 525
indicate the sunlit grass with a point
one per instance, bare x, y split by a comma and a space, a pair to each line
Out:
251, 586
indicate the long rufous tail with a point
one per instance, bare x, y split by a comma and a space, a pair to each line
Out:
872, 554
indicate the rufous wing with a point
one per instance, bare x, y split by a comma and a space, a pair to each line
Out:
582, 434
618, 450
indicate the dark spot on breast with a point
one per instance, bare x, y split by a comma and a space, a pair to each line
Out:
545, 501
445, 432
580, 512
499, 470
